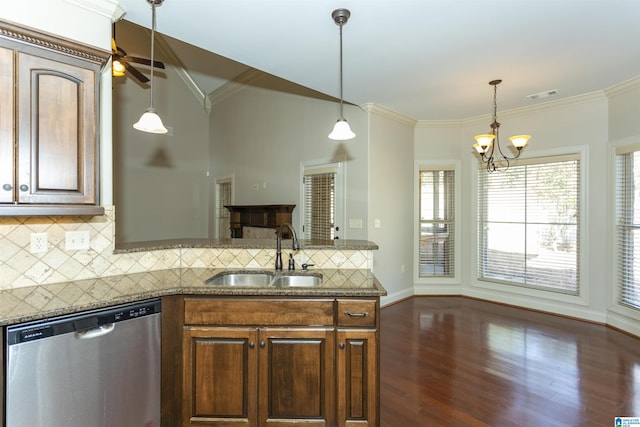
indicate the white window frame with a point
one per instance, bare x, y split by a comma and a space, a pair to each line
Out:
455, 279
619, 147
340, 200
536, 297
221, 234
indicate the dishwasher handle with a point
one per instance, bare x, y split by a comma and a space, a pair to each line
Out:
101, 330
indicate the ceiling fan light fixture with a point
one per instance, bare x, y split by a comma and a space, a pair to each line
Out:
117, 68
150, 122
341, 131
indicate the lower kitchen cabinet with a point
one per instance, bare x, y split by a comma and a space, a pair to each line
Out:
357, 374
296, 377
220, 377
279, 362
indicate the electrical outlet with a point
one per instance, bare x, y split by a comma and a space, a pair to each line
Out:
39, 243
77, 240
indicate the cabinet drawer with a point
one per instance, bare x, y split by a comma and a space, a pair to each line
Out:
357, 313
258, 312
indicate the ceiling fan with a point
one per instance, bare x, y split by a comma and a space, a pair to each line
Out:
121, 62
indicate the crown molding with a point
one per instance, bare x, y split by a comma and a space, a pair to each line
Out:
541, 107
387, 113
108, 8
439, 124
626, 86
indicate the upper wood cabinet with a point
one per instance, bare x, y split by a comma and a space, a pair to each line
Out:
48, 125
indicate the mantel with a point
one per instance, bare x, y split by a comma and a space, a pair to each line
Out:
265, 216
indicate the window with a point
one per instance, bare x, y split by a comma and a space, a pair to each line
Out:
528, 224
437, 232
628, 226
223, 197
319, 192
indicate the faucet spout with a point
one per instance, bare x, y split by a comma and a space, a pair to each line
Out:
294, 244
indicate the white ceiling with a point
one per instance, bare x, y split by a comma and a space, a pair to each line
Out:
424, 59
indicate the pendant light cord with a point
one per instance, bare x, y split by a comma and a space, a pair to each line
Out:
153, 31
341, 113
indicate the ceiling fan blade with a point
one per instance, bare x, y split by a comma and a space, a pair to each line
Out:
145, 61
137, 74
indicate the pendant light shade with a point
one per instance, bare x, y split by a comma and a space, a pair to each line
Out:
341, 130
150, 121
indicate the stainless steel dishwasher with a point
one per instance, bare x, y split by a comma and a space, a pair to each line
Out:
96, 369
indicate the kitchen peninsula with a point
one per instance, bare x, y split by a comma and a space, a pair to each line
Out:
253, 343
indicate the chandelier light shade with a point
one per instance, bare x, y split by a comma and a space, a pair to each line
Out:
150, 121
488, 145
341, 131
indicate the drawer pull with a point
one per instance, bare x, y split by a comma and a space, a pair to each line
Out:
350, 314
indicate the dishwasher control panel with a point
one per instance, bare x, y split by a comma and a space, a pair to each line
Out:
46, 328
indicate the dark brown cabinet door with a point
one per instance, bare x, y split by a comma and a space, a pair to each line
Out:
6, 126
220, 374
357, 374
296, 385
56, 132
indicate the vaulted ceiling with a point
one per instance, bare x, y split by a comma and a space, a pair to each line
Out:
424, 59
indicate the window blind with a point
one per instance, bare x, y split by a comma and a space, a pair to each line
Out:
437, 226
528, 224
319, 203
223, 197
628, 227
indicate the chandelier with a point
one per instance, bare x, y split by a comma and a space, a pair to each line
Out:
486, 143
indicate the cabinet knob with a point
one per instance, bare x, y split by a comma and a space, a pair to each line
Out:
24, 187
7, 187
261, 344
252, 344
341, 346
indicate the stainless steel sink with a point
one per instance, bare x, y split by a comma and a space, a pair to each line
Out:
244, 278
298, 280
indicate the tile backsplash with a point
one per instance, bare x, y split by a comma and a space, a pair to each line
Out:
20, 268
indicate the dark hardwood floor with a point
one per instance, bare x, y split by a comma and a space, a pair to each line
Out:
453, 361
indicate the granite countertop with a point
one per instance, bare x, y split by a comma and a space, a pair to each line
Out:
338, 244
40, 302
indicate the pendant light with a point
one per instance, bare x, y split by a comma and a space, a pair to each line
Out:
341, 130
150, 121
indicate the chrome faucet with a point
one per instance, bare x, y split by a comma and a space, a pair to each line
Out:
295, 245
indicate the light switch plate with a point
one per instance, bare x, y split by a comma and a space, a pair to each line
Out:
77, 240
355, 223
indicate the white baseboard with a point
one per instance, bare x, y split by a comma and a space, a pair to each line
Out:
395, 297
